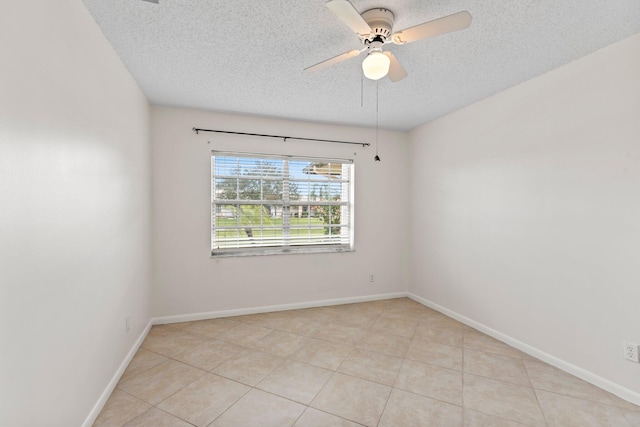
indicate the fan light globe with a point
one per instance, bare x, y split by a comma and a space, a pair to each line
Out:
375, 66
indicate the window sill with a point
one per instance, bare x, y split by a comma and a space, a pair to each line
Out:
280, 251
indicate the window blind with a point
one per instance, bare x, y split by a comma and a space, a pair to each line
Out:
278, 204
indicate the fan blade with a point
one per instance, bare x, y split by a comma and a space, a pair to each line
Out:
396, 70
350, 16
332, 61
447, 24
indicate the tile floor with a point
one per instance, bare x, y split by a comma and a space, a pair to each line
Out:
382, 363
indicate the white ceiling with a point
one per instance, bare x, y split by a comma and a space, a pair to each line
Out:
248, 57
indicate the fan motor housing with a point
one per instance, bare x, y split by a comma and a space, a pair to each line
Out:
381, 22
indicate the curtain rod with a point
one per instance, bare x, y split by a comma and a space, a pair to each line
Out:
364, 144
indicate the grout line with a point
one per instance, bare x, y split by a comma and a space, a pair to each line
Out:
624, 414
510, 421
300, 416
582, 399
393, 387
133, 397
535, 393
232, 405
174, 415
385, 406
526, 370
463, 375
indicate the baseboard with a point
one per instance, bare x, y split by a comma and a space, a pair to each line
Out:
270, 308
590, 377
91, 418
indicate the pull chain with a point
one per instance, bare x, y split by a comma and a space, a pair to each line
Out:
361, 90
377, 158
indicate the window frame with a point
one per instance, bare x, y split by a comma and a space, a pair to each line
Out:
281, 249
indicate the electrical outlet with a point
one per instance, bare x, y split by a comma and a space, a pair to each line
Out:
631, 351
372, 278
127, 323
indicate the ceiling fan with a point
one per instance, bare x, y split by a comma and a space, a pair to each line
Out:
374, 29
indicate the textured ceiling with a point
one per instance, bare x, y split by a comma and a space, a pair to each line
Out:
248, 56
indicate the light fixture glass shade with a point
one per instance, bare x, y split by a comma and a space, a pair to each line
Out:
375, 66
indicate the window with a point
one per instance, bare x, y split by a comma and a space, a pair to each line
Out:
264, 204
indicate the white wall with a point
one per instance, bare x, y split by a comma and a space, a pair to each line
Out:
74, 213
187, 280
527, 212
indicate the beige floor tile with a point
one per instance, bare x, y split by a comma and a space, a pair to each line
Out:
359, 318
417, 312
411, 410
377, 305
371, 366
366, 307
445, 321
120, 408
299, 312
546, 377
209, 354
482, 342
340, 333
435, 353
504, 400
142, 361
324, 354
391, 345
300, 326
260, 409
296, 381
244, 334
403, 326
324, 314
161, 381
356, 400
342, 360
314, 418
401, 301
503, 368
529, 357
442, 333
431, 381
169, 342
478, 419
162, 330
156, 418
204, 399
632, 416
249, 366
169, 327
621, 403
410, 312
271, 320
564, 411
210, 327
280, 343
